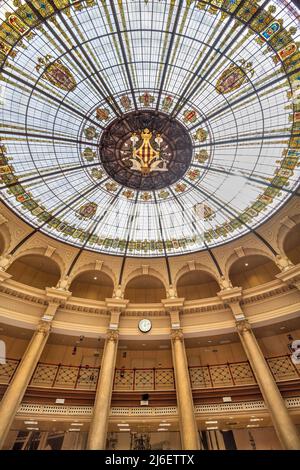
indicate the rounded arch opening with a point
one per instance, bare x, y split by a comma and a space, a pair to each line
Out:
92, 284
251, 271
35, 270
145, 289
291, 244
197, 284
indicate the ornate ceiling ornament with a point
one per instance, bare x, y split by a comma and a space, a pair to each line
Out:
234, 77
146, 153
56, 73
241, 126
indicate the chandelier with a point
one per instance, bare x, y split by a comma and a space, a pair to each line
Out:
146, 154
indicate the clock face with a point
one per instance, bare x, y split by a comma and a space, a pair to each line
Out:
145, 325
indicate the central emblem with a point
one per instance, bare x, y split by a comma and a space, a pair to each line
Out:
146, 153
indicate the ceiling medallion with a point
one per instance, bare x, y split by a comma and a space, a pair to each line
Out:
145, 151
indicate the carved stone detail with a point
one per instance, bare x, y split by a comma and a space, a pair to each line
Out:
177, 335
243, 326
112, 335
44, 327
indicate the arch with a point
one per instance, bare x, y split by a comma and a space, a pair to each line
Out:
252, 270
85, 268
92, 284
291, 244
196, 267
40, 251
248, 251
197, 284
150, 272
35, 270
145, 288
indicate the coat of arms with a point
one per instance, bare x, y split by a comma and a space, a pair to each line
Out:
146, 196
88, 154
193, 174
102, 114
167, 103
146, 99
90, 133
128, 193
96, 173
190, 116
234, 77
56, 73
200, 135
125, 102
87, 210
201, 156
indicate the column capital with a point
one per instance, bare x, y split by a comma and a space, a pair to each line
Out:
4, 276
290, 276
5, 262
112, 335
44, 327
57, 296
177, 335
243, 326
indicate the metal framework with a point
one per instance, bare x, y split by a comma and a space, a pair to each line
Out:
167, 56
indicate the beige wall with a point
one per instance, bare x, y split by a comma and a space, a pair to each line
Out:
211, 354
264, 439
254, 277
200, 291
91, 291
15, 347
32, 276
144, 359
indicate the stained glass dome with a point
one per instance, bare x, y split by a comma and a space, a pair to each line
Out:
149, 128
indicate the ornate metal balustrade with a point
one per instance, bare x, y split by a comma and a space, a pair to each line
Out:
203, 377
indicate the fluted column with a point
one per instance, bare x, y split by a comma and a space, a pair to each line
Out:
188, 426
282, 421
17, 388
99, 424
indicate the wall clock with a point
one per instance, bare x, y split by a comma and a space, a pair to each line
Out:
145, 325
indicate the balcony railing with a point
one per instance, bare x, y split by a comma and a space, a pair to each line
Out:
202, 377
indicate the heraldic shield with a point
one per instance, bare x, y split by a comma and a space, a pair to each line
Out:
233, 77
56, 73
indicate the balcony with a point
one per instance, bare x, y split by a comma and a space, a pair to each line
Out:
210, 377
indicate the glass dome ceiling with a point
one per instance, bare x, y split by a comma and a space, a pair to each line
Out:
217, 85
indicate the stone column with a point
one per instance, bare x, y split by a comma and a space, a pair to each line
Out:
283, 424
17, 388
282, 421
18, 385
99, 423
188, 425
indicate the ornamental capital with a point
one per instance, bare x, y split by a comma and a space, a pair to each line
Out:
44, 327
112, 335
177, 335
243, 326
